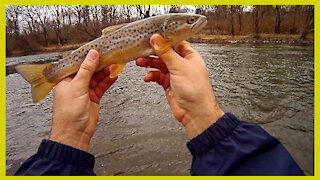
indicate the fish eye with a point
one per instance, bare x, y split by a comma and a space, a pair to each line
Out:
191, 20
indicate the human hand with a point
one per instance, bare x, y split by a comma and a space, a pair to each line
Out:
76, 103
185, 80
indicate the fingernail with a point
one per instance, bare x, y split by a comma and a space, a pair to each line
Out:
152, 41
92, 55
148, 75
168, 92
138, 60
113, 67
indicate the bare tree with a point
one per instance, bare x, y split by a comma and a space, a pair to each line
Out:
143, 11
166, 9
202, 9
85, 15
257, 13
158, 9
296, 12
175, 9
277, 12
77, 11
221, 12
42, 20
69, 15
12, 19
29, 18
95, 11
31, 26
239, 9
147, 11
82, 13
109, 14
126, 12
57, 15
307, 25
212, 19
232, 10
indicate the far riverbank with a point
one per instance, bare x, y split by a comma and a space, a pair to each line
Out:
202, 38
263, 38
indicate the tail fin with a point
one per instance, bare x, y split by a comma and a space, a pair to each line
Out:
33, 73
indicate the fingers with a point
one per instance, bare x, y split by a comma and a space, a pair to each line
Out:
163, 49
158, 77
93, 96
99, 76
104, 85
153, 63
88, 67
100, 83
97, 92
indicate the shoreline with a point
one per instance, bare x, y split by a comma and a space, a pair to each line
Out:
263, 38
202, 38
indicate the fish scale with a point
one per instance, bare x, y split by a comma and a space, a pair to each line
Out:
118, 44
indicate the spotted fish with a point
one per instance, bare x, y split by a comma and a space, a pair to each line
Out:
118, 44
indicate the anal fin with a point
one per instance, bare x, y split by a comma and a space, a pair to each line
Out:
116, 69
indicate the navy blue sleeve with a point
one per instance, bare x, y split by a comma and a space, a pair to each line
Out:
55, 159
233, 147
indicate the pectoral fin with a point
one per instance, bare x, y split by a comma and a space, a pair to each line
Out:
162, 44
116, 69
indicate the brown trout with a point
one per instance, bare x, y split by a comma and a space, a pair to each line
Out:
118, 44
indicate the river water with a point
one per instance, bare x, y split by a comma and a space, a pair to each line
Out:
268, 84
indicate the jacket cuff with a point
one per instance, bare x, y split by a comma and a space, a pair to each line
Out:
61, 152
215, 133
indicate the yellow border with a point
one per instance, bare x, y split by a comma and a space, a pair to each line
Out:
2, 91
246, 2
164, 2
316, 87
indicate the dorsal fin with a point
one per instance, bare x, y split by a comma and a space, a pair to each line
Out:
66, 53
112, 28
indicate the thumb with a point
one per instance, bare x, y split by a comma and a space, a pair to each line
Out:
88, 67
162, 48
185, 49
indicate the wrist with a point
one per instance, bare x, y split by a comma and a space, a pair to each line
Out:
72, 138
196, 124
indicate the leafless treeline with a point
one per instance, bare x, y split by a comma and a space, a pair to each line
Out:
29, 27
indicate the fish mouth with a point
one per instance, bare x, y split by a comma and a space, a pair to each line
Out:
200, 24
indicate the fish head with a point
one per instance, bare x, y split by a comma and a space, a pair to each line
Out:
181, 26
